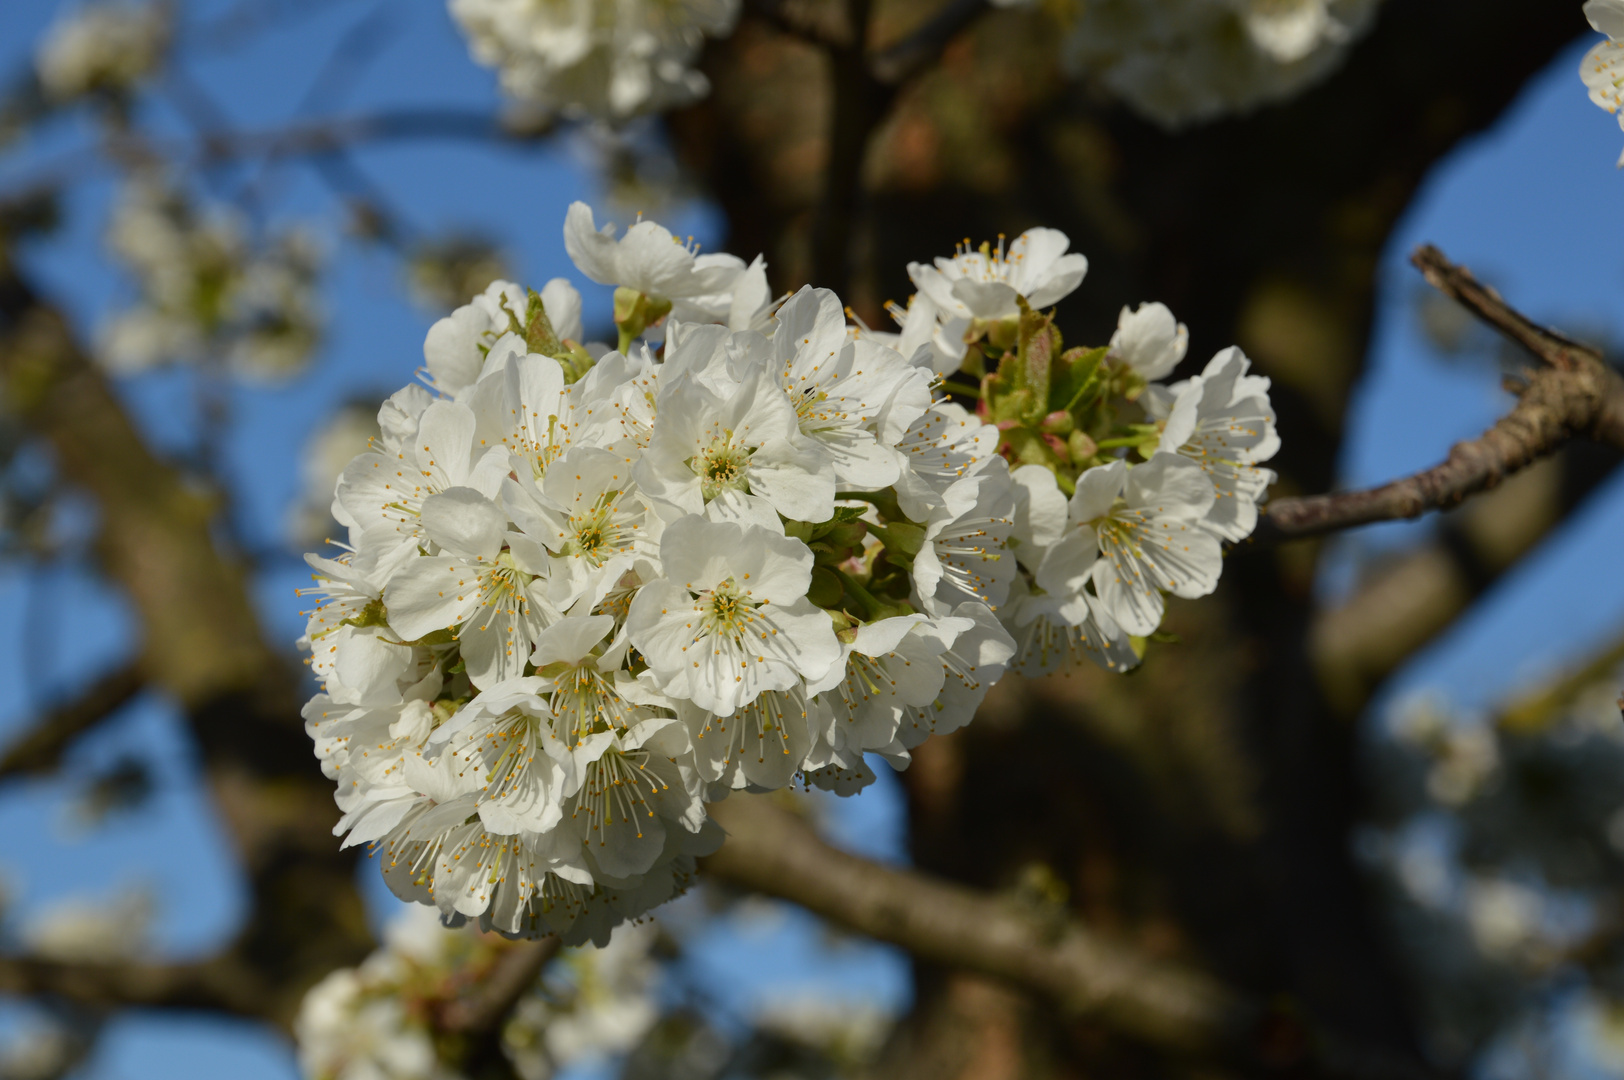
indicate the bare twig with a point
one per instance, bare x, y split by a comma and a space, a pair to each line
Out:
305, 138
42, 747
1573, 394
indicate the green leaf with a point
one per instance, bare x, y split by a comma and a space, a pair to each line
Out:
1077, 375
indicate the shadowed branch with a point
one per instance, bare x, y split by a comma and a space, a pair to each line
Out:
1088, 976
41, 749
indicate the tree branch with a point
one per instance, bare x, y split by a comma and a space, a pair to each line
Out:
217, 984
898, 63
1573, 394
769, 851
1087, 975
308, 138
482, 1011
200, 643
823, 25
42, 747
858, 102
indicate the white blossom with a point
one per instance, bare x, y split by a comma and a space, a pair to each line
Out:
593, 521
891, 669
1185, 61
972, 661
944, 445
965, 551
1222, 420
345, 1033
102, 47
1150, 341
981, 284
456, 348
749, 441
760, 746
744, 304
608, 60
853, 399
208, 292
1055, 633
647, 259
582, 594
1135, 533
383, 493
730, 620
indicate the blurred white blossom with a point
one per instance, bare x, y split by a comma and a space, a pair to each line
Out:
1184, 61
604, 59
85, 929
106, 47
206, 291
376, 1021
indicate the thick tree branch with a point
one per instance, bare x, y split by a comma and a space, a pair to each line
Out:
858, 102
1573, 394
482, 1011
218, 984
201, 644
41, 749
771, 852
1047, 953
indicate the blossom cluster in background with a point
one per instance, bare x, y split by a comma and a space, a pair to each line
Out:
207, 292
377, 1020
588, 590
1183, 61
105, 48
607, 60
1175, 61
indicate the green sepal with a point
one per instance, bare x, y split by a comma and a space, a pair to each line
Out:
636, 312
371, 615
1038, 346
826, 590
539, 336
901, 538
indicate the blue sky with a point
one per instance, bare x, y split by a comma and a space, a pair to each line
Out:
1530, 203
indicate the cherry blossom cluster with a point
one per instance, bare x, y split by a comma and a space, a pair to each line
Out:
1602, 68
208, 292
102, 48
588, 590
1183, 61
376, 1020
607, 61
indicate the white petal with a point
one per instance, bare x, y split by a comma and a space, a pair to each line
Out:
464, 522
